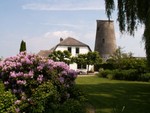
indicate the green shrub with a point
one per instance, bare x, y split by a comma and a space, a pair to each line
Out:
126, 64
107, 65
6, 100
104, 73
125, 74
131, 74
43, 100
110, 76
76, 103
39, 84
72, 106
145, 77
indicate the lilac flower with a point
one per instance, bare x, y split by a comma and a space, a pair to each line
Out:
31, 73
21, 82
23, 60
18, 64
32, 59
50, 62
12, 64
17, 102
24, 73
61, 79
72, 73
7, 62
4, 68
40, 78
17, 110
28, 61
19, 90
14, 91
61, 65
23, 98
39, 68
6, 82
64, 73
13, 74
19, 74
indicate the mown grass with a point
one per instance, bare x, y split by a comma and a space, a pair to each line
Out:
113, 96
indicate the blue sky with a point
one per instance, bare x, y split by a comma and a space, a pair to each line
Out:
40, 23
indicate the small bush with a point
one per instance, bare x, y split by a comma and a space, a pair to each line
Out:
125, 75
145, 77
6, 100
131, 75
43, 100
104, 73
72, 106
39, 84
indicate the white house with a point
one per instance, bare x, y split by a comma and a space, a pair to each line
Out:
75, 47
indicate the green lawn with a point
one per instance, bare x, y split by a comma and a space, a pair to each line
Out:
113, 96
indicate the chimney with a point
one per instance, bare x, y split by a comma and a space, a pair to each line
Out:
61, 39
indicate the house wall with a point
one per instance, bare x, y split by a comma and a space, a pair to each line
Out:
82, 50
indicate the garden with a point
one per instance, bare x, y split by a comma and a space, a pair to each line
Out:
33, 84
121, 85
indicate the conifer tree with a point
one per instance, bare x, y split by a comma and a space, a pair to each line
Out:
23, 46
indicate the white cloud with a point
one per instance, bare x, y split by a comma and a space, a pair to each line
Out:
47, 40
59, 34
66, 5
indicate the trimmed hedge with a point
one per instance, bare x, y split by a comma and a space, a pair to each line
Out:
145, 77
131, 75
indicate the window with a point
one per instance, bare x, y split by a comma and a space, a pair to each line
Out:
77, 50
81, 66
97, 28
69, 49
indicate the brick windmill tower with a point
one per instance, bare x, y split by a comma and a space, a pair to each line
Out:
105, 42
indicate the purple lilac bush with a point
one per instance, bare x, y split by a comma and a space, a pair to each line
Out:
24, 74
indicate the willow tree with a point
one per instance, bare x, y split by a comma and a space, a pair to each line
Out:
131, 14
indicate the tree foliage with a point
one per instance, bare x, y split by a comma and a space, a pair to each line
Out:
132, 13
91, 58
63, 56
121, 60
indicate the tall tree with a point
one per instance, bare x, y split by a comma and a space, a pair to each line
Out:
63, 56
23, 46
132, 13
91, 58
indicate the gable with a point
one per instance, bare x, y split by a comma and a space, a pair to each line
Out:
71, 42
